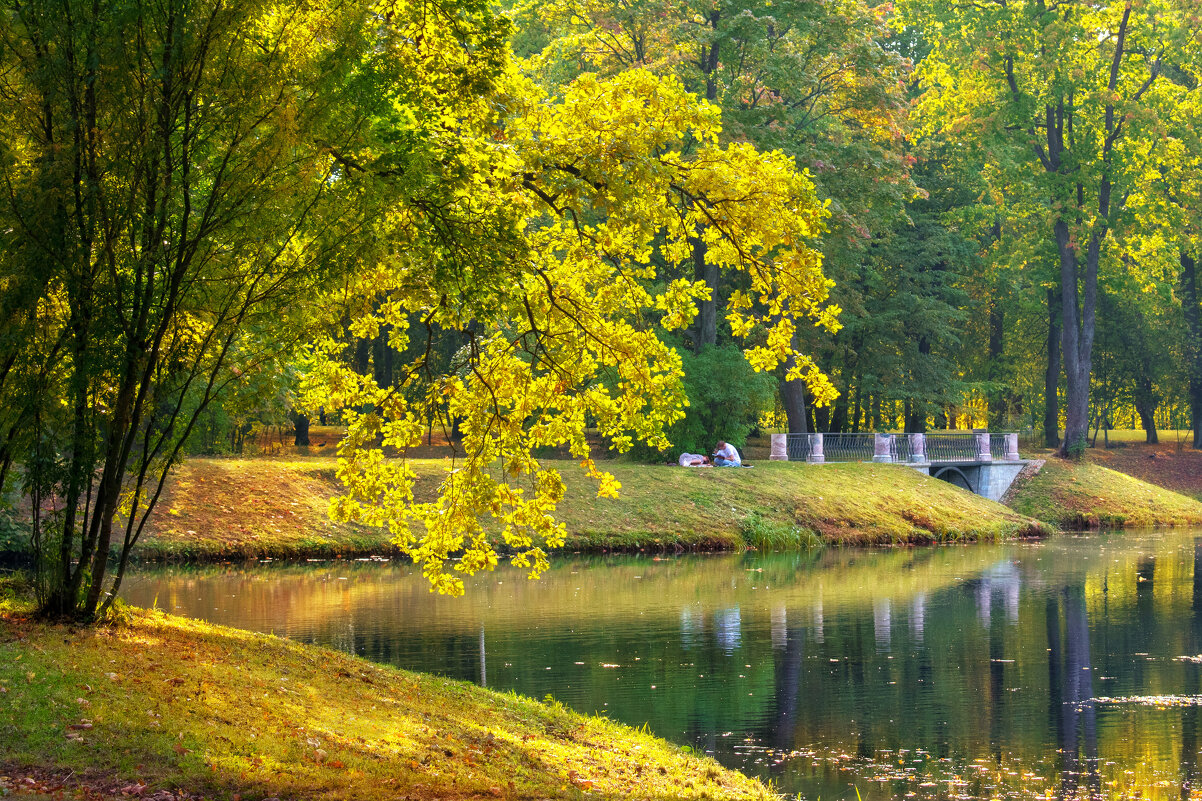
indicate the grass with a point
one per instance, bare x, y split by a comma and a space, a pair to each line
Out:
1085, 494
158, 702
223, 508
778, 501
259, 507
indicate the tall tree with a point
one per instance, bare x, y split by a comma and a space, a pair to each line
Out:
1069, 99
550, 267
175, 186
818, 81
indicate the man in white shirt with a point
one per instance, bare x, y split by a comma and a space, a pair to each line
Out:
726, 455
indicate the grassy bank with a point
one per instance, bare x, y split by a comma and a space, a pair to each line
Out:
261, 507
166, 703
277, 507
1082, 495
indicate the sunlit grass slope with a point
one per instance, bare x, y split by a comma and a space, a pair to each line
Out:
839, 503
178, 703
1077, 495
235, 508
276, 507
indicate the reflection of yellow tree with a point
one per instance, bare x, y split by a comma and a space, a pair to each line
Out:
985, 679
307, 598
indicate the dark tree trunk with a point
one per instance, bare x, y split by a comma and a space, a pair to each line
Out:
382, 358
1193, 342
1051, 377
821, 418
300, 424
707, 313
792, 397
363, 356
707, 318
1077, 336
998, 394
916, 408
859, 408
1145, 405
1079, 312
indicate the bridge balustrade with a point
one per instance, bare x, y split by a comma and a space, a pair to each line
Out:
901, 448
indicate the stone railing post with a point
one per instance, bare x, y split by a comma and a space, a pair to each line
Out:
780, 448
881, 450
1012, 447
983, 452
816, 454
918, 447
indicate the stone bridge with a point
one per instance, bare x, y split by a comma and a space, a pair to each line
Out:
980, 462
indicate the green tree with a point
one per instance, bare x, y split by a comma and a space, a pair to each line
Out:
1069, 100
177, 184
821, 82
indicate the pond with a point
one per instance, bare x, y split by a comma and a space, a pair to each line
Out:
1066, 667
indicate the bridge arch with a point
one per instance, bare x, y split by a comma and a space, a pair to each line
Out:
954, 475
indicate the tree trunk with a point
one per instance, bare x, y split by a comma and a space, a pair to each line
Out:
300, 424
1193, 342
859, 408
1077, 336
707, 318
382, 357
1051, 377
707, 313
1145, 405
793, 398
996, 414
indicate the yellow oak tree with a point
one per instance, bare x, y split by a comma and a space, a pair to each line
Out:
546, 261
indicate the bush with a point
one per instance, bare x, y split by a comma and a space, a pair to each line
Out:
726, 398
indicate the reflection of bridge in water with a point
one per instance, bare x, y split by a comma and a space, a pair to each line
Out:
979, 462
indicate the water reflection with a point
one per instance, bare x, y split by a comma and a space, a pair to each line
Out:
969, 672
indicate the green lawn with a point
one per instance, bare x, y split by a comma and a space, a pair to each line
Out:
174, 703
1079, 495
223, 508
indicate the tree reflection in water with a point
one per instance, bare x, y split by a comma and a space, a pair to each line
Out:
963, 672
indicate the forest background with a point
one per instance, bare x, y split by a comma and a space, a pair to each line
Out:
656, 222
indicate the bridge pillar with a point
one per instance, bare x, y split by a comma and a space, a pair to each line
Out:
881, 450
1012, 447
780, 450
993, 479
983, 452
918, 447
816, 454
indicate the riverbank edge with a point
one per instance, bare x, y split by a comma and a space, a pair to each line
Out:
156, 702
1086, 496
243, 509
246, 509
258, 509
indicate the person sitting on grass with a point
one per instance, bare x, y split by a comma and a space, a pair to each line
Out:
726, 455
694, 460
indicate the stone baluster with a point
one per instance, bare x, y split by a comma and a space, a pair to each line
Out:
918, 447
816, 454
1012, 447
780, 448
983, 452
882, 450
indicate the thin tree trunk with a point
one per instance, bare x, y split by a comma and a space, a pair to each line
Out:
707, 312
1193, 338
996, 414
1051, 377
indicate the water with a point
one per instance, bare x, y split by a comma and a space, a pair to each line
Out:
1069, 667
